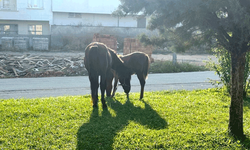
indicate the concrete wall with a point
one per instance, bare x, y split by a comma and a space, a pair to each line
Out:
78, 37
24, 42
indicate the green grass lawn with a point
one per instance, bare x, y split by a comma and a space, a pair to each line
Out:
162, 120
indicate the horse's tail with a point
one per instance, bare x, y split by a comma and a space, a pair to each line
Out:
98, 51
146, 67
93, 51
88, 55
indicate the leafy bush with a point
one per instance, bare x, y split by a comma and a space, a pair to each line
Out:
169, 67
223, 69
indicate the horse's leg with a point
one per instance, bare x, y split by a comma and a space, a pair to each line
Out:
94, 89
115, 86
103, 87
142, 82
109, 79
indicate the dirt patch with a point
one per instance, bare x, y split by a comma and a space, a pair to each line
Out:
39, 64
53, 63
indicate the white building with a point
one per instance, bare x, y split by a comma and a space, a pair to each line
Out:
92, 13
31, 19
25, 17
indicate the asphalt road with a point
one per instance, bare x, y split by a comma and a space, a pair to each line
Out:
61, 86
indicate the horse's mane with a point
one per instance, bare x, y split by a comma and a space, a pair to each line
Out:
115, 56
118, 64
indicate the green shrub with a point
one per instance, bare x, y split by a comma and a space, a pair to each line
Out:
169, 67
223, 68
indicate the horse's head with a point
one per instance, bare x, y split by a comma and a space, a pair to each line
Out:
124, 79
124, 73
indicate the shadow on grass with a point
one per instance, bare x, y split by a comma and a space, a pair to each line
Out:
100, 131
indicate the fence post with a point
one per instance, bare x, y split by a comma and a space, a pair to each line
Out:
174, 58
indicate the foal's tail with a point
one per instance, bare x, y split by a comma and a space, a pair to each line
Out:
146, 67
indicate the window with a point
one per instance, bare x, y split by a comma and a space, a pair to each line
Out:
36, 29
8, 29
8, 4
75, 15
35, 4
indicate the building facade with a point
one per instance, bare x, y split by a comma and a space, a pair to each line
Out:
31, 19
25, 17
92, 13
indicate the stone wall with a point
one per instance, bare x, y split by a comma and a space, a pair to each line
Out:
69, 38
109, 40
132, 45
24, 42
21, 43
78, 37
41, 44
7, 43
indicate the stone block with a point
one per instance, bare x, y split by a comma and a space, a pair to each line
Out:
132, 45
21, 43
7, 43
41, 44
108, 40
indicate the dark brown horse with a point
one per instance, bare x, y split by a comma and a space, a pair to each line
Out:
99, 61
137, 63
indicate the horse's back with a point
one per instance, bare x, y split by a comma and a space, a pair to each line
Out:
97, 58
137, 61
